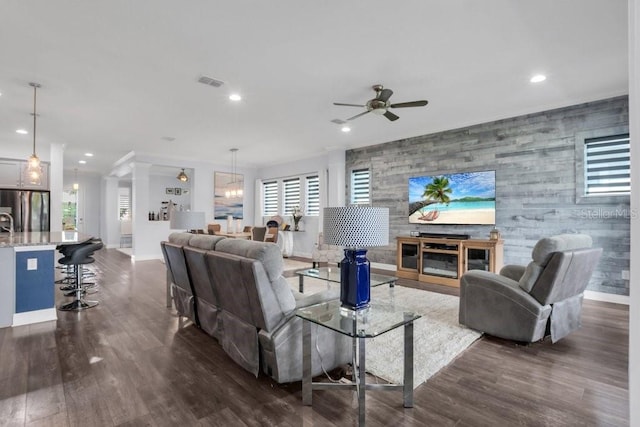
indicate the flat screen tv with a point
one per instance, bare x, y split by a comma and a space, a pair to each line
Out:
457, 198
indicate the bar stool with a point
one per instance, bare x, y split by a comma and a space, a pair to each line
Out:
69, 269
78, 258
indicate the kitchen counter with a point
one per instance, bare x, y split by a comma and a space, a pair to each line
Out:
27, 288
42, 238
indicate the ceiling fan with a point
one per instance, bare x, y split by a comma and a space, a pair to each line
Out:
380, 104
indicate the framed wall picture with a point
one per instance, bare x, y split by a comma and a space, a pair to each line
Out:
226, 201
169, 190
178, 191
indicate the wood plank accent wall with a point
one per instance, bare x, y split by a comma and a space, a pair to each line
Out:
534, 157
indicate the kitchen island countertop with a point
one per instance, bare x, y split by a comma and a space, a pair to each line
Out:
40, 238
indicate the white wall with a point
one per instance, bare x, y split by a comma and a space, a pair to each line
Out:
158, 185
634, 291
149, 190
204, 182
145, 239
109, 227
56, 186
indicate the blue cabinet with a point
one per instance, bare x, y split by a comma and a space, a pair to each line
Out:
34, 280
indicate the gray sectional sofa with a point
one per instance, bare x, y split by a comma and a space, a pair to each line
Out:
234, 291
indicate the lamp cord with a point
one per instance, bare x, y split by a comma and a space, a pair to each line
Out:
322, 364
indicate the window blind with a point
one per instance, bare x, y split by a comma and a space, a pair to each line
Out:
124, 203
607, 165
291, 195
360, 187
270, 198
312, 196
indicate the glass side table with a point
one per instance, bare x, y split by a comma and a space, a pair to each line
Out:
370, 322
332, 274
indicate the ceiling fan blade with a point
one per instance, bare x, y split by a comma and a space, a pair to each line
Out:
389, 115
410, 104
347, 105
385, 94
357, 115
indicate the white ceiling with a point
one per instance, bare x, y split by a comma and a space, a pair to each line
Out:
120, 75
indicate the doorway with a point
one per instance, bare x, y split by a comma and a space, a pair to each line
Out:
70, 210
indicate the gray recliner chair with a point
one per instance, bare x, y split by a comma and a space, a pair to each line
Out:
528, 303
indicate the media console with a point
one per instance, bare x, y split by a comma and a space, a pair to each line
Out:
445, 236
443, 260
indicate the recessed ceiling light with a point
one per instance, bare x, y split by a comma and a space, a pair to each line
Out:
345, 129
82, 162
22, 131
88, 154
538, 78
235, 97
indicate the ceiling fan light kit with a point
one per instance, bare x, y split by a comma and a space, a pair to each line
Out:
380, 104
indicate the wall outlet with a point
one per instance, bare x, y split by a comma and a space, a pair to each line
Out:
625, 275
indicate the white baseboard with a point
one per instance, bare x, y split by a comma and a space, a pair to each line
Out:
591, 295
135, 258
35, 316
601, 296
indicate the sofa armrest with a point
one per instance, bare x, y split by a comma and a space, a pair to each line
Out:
513, 272
498, 292
498, 306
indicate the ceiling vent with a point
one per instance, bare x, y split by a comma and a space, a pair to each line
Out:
210, 81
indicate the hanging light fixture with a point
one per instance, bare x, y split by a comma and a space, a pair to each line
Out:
76, 185
34, 170
234, 188
182, 176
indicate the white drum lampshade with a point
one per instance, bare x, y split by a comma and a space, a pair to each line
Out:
356, 228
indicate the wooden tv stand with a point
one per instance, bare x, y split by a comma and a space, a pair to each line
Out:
443, 261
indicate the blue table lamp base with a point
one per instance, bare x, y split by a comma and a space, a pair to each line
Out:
355, 289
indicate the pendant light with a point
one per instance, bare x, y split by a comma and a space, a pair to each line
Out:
182, 177
76, 185
234, 189
34, 170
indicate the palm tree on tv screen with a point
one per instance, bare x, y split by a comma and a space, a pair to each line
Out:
436, 191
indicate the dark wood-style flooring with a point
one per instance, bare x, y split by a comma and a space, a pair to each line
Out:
127, 363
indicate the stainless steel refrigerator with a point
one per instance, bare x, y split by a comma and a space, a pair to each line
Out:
29, 208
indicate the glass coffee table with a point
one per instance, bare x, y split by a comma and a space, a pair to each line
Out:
331, 274
369, 322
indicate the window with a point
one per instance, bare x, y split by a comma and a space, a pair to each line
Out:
270, 198
607, 165
291, 195
312, 196
360, 187
281, 195
124, 203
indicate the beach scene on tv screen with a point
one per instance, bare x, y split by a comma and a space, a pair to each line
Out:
459, 198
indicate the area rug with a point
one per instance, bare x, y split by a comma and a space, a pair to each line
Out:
438, 337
